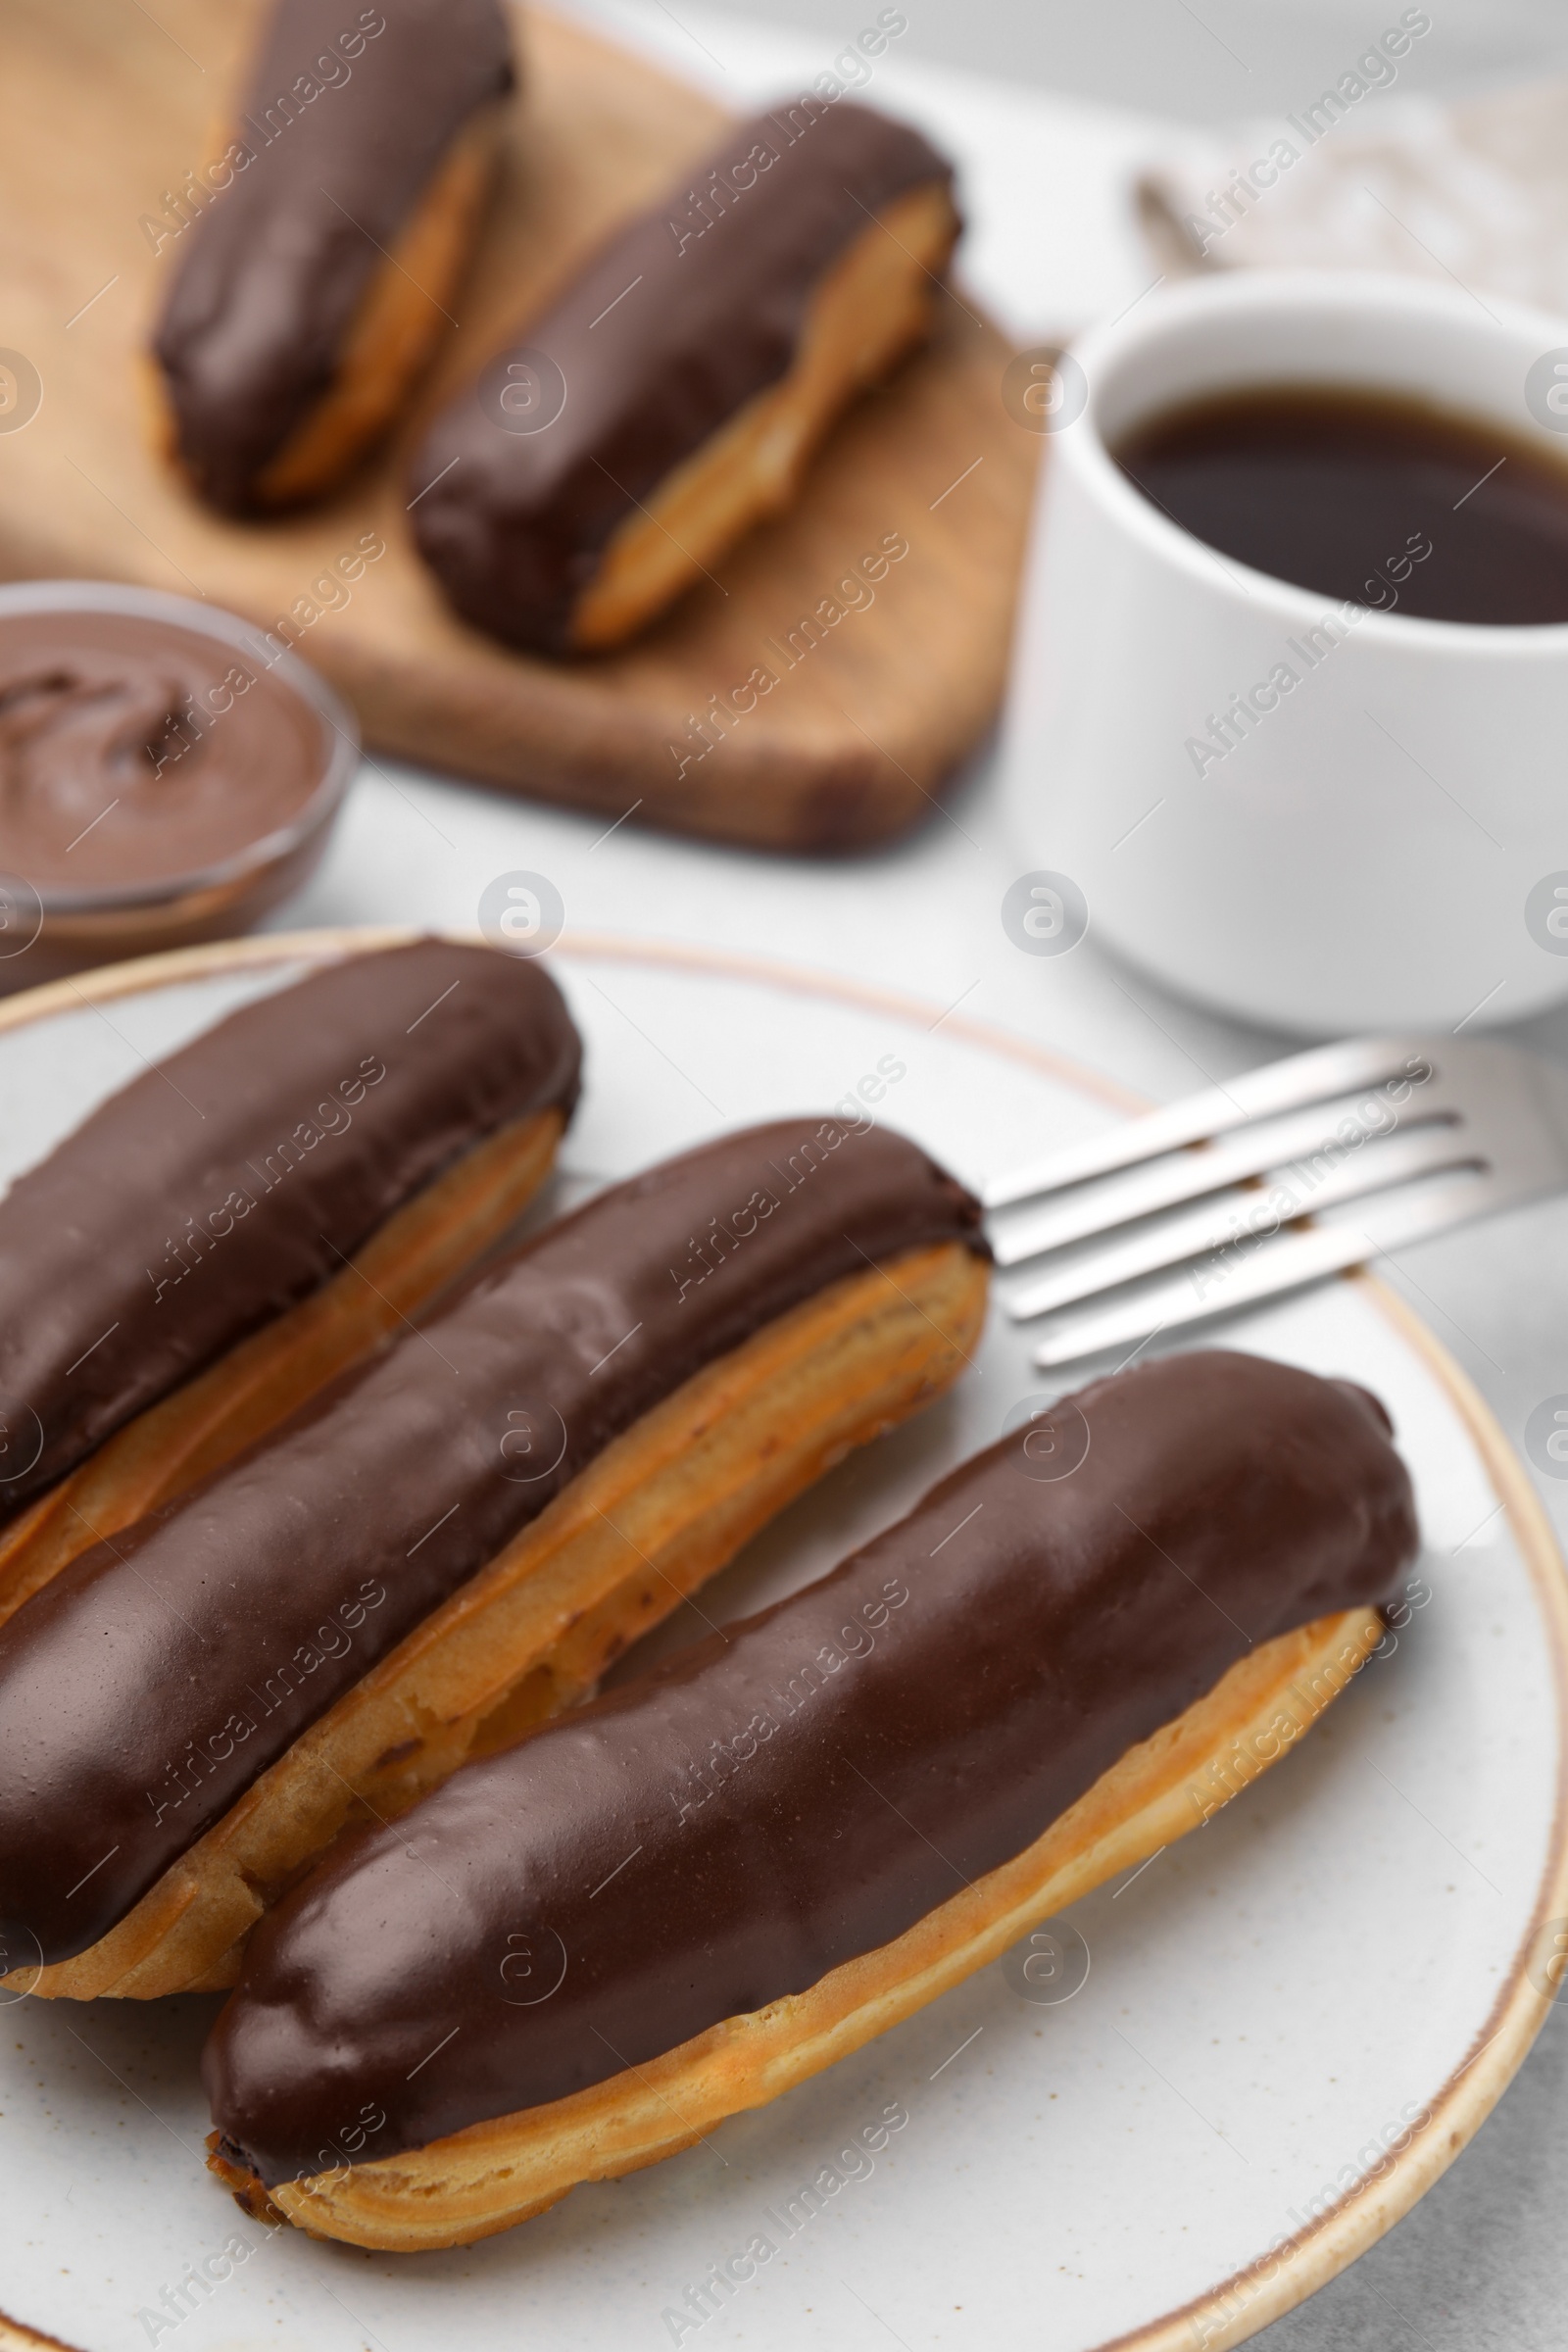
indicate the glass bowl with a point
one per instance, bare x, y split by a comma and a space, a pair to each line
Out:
47, 930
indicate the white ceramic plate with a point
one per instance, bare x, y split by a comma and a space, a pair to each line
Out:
1291, 2021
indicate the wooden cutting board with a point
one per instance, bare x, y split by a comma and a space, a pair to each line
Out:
105, 107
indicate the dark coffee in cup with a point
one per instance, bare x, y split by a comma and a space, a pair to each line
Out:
1369, 498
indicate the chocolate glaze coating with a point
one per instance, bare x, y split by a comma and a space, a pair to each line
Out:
316, 188
804, 1785
220, 1187
691, 309
157, 1677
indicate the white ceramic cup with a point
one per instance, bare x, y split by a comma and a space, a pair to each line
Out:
1381, 842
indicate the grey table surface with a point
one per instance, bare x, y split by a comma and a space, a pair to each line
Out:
1483, 2261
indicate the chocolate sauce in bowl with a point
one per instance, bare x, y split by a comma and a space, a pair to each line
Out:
132, 751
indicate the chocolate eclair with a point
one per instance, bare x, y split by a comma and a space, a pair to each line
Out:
316, 283
583, 1952
220, 1237
672, 394
454, 1539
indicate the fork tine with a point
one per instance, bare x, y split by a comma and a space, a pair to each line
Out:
1279, 1086
1218, 1224
1275, 1266
1185, 1176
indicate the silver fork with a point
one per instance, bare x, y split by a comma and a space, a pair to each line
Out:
1222, 1196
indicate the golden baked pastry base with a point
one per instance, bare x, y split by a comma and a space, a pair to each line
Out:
495, 2174
659, 1511
896, 681
876, 303
268, 1376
